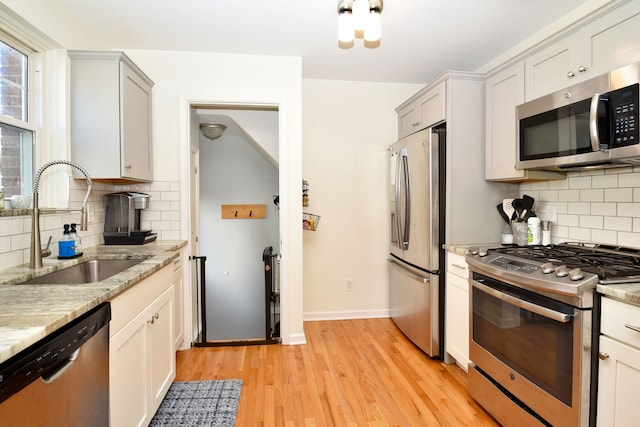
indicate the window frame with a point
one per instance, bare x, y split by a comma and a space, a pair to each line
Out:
33, 99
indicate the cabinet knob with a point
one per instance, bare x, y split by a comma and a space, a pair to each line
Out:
603, 356
571, 74
582, 69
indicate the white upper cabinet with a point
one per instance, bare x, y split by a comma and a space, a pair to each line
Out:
422, 110
110, 116
606, 43
504, 91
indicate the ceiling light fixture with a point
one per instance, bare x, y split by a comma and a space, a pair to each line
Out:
359, 19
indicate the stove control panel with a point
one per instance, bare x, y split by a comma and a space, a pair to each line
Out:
514, 265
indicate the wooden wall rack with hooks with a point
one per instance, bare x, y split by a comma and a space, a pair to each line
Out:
244, 211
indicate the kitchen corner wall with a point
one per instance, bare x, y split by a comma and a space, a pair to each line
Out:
600, 206
162, 216
347, 128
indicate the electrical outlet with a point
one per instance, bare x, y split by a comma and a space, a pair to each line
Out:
349, 285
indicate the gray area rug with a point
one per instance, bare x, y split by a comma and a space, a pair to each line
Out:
199, 403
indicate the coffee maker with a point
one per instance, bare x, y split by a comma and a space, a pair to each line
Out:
122, 219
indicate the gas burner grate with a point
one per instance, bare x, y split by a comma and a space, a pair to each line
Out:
608, 262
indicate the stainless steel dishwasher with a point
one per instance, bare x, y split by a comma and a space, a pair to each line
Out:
63, 379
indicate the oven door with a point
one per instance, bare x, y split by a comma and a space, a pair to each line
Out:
530, 348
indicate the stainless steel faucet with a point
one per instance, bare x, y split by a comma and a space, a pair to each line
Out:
35, 251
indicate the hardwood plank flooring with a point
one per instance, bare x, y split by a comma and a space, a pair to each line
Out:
350, 373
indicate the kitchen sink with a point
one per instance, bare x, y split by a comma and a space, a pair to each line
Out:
86, 272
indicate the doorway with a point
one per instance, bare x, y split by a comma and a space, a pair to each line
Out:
237, 168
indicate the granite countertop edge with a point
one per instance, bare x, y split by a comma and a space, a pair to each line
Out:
628, 293
31, 312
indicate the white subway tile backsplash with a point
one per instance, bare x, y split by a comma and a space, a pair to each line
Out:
607, 209
162, 216
592, 195
598, 206
618, 195
579, 182
618, 223
591, 221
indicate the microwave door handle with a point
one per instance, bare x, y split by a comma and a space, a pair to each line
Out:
593, 122
407, 209
525, 305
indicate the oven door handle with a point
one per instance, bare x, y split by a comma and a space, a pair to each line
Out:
534, 308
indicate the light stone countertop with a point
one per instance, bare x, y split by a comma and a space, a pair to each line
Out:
629, 293
29, 313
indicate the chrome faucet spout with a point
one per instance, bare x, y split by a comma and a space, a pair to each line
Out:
35, 251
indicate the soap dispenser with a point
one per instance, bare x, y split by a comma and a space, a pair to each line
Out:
76, 238
66, 245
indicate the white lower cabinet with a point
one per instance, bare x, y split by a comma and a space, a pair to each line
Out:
456, 322
178, 288
619, 365
141, 349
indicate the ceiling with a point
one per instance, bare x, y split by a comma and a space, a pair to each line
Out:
420, 38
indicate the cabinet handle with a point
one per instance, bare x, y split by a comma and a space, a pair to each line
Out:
571, 74
633, 328
461, 267
153, 319
415, 123
603, 356
128, 167
582, 69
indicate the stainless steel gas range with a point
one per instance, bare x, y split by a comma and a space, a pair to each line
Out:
534, 323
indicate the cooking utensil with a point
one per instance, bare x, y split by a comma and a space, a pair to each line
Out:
517, 206
502, 213
507, 207
527, 202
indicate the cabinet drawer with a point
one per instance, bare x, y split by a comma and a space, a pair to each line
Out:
619, 321
457, 265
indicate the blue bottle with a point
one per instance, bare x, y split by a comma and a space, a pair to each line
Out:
66, 245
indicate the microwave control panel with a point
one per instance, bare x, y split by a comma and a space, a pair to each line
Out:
624, 103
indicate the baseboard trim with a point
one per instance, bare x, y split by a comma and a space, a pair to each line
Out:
345, 315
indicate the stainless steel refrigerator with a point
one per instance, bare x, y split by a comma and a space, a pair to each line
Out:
416, 183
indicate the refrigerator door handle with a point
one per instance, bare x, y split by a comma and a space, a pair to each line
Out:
407, 199
397, 203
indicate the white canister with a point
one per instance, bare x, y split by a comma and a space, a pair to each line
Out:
534, 231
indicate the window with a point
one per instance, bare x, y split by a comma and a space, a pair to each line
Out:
17, 136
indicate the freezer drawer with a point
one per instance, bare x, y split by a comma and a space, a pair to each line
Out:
414, 305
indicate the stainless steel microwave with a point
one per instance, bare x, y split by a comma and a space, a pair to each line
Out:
592, 124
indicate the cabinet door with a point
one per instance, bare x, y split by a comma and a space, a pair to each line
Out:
128, 367
552, 68
136, 126
618, 379
408, 120
457, 319
612, 41
504, 91
161, 347
433, 106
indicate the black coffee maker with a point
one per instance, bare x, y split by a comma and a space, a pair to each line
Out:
122, 219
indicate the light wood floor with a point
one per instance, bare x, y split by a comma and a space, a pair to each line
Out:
351, 373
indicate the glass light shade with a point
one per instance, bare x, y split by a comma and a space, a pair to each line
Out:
345, 27
372, 31
360, 14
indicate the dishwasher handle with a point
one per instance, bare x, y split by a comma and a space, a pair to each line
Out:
58, 372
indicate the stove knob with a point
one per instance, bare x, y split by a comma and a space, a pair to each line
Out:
547, 268
576, 274
561, 271
483, 253
473, 250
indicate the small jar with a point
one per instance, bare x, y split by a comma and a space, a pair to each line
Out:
546, 233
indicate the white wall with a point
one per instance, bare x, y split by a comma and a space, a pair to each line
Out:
347, 127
